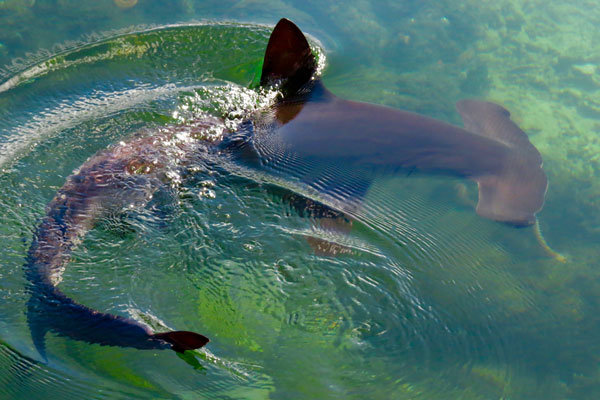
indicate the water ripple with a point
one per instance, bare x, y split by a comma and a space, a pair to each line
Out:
397, 290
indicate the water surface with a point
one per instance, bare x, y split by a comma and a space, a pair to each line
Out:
427, 300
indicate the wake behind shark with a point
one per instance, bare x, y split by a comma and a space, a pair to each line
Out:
312, 138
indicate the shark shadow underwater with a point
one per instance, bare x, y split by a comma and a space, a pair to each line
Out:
304, 137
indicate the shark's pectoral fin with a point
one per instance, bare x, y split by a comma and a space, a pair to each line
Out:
325, 219
329, 229
514, 192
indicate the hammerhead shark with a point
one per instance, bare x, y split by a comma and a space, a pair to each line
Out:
308, 136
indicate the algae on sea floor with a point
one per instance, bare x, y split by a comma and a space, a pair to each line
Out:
536, 58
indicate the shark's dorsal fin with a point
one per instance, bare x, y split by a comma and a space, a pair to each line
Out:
288, 59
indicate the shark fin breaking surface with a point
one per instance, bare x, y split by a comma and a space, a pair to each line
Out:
288, 59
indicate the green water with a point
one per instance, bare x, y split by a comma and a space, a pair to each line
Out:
429, 301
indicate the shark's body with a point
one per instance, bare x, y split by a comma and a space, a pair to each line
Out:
337, 147
332, 146
127, 174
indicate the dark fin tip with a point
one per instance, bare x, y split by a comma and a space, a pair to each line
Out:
183, 340
288, 58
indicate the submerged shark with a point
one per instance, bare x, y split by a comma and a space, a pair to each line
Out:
308, 137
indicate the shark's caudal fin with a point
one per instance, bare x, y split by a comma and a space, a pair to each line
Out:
183, 340
516, 193
38, 330
51, 310
288, 59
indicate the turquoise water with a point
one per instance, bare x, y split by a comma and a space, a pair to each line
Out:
427, 300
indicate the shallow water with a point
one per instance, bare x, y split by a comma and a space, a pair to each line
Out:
426, 300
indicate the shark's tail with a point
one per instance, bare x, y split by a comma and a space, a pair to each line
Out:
37, 328
69, 216
49, 309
